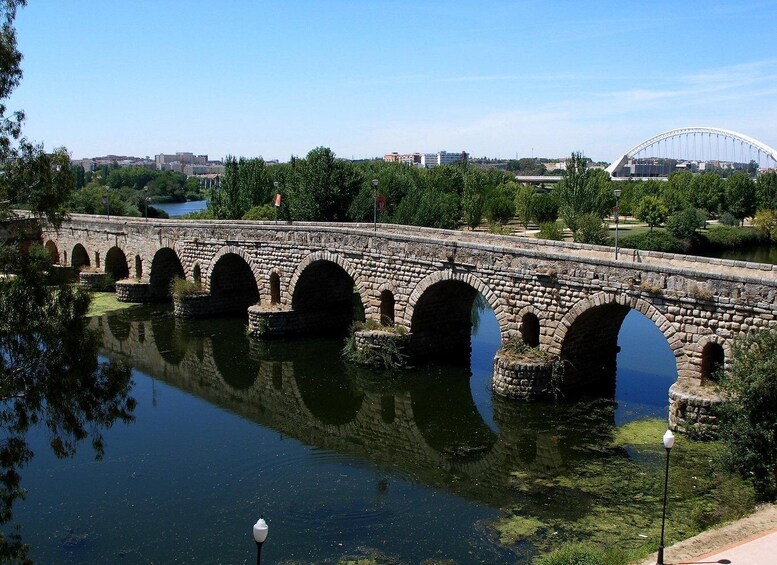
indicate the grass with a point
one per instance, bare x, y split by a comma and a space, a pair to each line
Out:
104, 302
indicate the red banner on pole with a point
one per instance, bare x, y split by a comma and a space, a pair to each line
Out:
278, 200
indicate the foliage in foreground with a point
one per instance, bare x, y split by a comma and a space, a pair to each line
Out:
390, 355
748, 421
583, 554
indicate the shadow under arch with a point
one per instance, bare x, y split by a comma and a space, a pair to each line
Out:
116, 265
165, 266
234, 357
447, 417
233, 285
325, 297
79, 257
440, 316
171, 342
589, 345
53, 252
330, 394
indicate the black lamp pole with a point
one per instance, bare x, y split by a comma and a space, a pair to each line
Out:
260, 534
668, 443
375, 205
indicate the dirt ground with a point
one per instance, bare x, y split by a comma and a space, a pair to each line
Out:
762, 520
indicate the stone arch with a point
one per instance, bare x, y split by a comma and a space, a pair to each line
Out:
438, 314
79, 257
116, 265
530, 329
234, 250
275, 287
712, 353
51, 247
586, 337
322, 295
165, 266
387, 308
232, 284
197, 274
344, 264
138, 267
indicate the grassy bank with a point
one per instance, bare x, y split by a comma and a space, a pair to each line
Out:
104, 302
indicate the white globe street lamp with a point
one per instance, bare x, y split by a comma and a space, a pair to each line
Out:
668, 444
260, 534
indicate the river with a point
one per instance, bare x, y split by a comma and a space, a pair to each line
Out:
339, 461
178, 209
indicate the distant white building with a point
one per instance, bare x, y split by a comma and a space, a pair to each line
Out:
429, 160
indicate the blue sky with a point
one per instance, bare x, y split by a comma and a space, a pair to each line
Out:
366, 78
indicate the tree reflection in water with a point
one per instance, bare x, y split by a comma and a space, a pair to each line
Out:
50, 378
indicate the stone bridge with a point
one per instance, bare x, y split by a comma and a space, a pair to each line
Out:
568, 299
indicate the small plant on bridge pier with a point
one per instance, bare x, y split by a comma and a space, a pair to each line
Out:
376, 346
181, 288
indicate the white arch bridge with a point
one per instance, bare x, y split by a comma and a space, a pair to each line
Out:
693, 148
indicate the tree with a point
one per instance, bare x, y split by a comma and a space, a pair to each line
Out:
523, 204
706, 192
740, 196
748, 417
652, 211
473, 199
49, 370
544, 208
580, 193
500, 208
766, 191
683, 224
323, 188
676, 191
591, 230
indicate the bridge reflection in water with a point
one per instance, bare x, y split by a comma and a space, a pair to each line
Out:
423, 422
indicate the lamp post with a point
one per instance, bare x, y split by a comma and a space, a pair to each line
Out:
145, 199
668, 444
107, 204
260, 534
617, 219
375, 205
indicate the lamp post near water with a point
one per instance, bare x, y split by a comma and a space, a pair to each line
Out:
260, 534
668, 444
145, 199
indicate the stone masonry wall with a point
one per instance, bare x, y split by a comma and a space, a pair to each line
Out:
692, 300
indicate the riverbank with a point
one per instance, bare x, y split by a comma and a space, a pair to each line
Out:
763, 520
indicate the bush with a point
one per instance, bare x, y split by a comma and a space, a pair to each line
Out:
727, 219
683, 224
748, 418
500, 209
260, 213
728, 237
765, 223
590, 229
551, 230
583, 554
654, 241
652, 211
180, 288
544, 208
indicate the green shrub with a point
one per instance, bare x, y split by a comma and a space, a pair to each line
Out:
748, 417
583, 554
654, 241
727, 219
683, 224
205, 214
500, 209
260, 213
544, 208
591, 229
727, 237
551, 230
652, 211
180, 288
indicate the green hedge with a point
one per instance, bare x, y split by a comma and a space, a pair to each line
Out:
656, 240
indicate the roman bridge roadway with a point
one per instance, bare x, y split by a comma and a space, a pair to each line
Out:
568, 299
